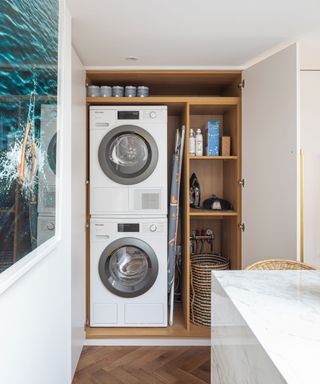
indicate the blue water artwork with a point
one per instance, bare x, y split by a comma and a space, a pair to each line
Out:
29, 31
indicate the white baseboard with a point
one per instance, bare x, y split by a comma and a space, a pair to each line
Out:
148, 342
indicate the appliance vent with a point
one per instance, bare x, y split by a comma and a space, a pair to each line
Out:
150, 201
147, 199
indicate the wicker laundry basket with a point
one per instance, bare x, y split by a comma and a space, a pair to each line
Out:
278, 264
200, 300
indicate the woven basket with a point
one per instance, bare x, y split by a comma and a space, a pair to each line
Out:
200, 300
278, 264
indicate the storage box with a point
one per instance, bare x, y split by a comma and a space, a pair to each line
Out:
212, 138
225, 146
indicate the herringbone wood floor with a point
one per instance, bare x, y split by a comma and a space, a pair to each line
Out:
143, 365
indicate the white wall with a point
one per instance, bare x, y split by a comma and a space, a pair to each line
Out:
310, 143
35, 312
78, 206
34, 325
310, 52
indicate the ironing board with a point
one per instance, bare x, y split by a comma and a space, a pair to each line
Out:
174, 216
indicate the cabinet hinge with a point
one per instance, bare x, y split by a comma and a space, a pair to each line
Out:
242, 183
87, 182
87, 225
242, 227
242, 84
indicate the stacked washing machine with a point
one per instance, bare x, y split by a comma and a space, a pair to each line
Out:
47, 175
128, 210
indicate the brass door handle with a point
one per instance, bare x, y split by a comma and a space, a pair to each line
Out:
301, 205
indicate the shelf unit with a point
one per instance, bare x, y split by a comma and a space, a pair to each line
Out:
217, 175
193, 98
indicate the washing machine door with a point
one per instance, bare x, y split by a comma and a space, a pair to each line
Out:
128, 154
52, 153
128, 267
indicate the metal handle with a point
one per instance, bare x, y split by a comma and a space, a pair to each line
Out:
301, 205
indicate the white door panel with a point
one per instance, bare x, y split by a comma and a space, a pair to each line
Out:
269, 158
78, 208
310, 143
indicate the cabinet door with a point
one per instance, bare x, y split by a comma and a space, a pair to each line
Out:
310, 143
78, 208
270, 158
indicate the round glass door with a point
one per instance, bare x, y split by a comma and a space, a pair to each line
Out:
128, 267
128, 154
52, 153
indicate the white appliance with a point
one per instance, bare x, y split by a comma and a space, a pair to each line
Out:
128, 161
47, 175
45, 228
128, 272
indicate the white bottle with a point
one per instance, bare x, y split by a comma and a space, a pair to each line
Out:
199, 143
192, 143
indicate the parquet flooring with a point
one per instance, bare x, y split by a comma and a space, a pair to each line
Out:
143, 365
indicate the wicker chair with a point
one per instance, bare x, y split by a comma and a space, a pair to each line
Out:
278, 264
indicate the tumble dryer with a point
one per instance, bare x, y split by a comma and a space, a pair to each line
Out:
128, 272
128, 161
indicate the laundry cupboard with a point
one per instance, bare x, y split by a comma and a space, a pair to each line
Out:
258, 110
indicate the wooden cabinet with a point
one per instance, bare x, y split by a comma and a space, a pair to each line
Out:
194, 98
216, 175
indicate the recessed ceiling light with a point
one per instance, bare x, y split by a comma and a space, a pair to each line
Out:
131, 58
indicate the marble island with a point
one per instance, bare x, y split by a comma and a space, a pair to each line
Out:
265, 327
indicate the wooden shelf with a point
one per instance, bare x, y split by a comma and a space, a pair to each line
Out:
213, 157
202, 100
177, 330
207, 213
172, 82
175, 104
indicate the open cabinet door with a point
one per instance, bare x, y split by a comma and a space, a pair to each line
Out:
78, 208
270, 158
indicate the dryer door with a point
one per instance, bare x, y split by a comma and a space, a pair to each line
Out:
52, 153
128, 154
128, 267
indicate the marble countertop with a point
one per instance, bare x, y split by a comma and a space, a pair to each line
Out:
282, 309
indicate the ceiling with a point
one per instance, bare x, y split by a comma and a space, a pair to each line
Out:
186, 33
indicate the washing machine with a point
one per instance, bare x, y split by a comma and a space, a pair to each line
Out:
128, 272
128, 161
47, 175
46, 227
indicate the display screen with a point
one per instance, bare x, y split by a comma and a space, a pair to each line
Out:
129, 227
128, 115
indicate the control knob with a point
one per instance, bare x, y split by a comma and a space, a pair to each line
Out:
153, 115
50, 226
153, 228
